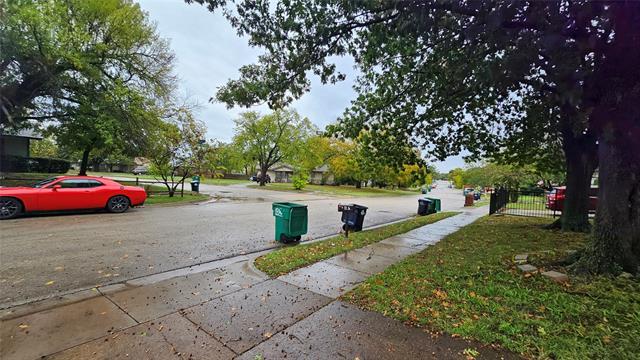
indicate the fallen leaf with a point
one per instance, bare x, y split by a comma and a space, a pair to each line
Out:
50, 282
267, 335
23, 326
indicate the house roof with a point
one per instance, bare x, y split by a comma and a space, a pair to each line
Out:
282, 167
323, 168
23, 133
289, 168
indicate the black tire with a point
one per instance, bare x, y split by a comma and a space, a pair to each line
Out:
9, 208
118, 204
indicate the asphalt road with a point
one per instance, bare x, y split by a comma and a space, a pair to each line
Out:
46, 255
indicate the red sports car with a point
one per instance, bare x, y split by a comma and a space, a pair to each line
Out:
69, 193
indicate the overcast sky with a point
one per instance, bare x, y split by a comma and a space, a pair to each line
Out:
208, 53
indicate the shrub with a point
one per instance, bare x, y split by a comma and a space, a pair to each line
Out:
12, 163
300, 180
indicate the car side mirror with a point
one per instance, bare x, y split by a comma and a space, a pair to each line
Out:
56, 187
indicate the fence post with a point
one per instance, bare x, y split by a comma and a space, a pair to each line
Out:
137, 184
492, 203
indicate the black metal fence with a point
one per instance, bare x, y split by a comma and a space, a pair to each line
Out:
522, 203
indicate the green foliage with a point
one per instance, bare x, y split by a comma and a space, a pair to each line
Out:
95, 70
45, 148
467, 285
54, 53
339, 190
505, 95
277, 137
287, 259
456, 176
300, 180
178, 149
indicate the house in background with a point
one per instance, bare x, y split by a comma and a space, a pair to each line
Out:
283, 173
321, 175
17, 143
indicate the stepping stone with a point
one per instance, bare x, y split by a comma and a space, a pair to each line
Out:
521, 258
527, 268
556, 276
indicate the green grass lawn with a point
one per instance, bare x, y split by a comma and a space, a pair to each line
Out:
290, 258
342, 190
467, 285
482, 202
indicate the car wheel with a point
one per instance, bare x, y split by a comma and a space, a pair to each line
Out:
9, 208
118, 204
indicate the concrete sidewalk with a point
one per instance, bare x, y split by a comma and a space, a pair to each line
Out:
230, 310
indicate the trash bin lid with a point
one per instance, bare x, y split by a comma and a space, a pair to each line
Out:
288, 205
349, 207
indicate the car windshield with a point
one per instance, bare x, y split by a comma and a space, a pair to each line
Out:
44, 182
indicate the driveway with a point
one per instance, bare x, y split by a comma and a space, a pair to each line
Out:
45, 255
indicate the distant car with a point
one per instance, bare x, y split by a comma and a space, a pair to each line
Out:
555, 198
256, 178
140, 170
69, 193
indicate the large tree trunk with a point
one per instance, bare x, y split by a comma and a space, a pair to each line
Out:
615, 244
84, 162
581, 161
263, 175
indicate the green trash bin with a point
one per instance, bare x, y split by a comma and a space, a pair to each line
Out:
436, 202
291, 221
195, 183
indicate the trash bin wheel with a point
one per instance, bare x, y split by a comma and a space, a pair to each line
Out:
288, 240
345, 227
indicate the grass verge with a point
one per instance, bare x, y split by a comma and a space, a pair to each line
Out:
341, 190
287, 259
467, 285
165, 199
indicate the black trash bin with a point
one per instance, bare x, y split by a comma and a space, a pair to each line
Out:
426, 207
352, 216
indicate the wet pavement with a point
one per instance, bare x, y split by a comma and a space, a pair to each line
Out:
46, 255
231, 310
342, 331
